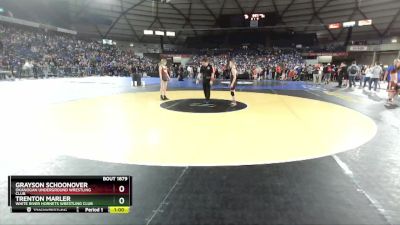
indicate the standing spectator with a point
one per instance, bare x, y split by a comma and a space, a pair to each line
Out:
309, 72
46, 68
363, 75
320, 73
269, 72
180, 73
190, 71
291, 75
273, 72
35, 69
368, 75
317, 75
19, 69
195, 71
254, 73
27, 68
327, 73
376, 73
353, 71
134, 74
278, 71
334, 72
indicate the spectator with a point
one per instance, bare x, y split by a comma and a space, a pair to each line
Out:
327, 73
363, 75
376, 73
353, 71
342, 71
368, 74
64, 54
317, 74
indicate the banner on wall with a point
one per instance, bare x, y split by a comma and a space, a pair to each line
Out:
334, 54
311, 61
324, 59
177, 59
175, 55
358, 48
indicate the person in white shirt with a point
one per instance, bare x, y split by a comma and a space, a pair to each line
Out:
318, 77
46, 70
190, 71
368, 74
309, 72
27, 67
363, 74
376, 73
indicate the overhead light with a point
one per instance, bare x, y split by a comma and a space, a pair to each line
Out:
364, 23
349, 24
394, 40
170, 33
160, 33
148, 32
334, 26
131, 45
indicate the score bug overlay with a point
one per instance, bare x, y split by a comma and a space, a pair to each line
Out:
70, 194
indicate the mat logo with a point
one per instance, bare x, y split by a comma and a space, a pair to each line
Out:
202, 105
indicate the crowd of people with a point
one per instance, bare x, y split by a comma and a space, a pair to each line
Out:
36, 52
346, 75
42, 53
288, 65
254, 64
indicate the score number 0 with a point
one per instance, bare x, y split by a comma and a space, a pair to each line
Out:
121, 200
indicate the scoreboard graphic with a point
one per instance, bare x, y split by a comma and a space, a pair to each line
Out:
70, 194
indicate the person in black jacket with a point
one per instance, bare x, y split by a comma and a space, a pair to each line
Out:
341, 74
207, 72
180, 73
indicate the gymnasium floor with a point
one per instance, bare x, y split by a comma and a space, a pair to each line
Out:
290, 153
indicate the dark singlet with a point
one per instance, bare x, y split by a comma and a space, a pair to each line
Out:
164, 73
393, 86
231, 79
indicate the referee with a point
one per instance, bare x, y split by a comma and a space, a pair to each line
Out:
207, 73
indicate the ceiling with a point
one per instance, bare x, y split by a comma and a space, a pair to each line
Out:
126, 19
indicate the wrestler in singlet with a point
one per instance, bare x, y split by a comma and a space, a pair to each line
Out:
164, 78
164, 73
233, 80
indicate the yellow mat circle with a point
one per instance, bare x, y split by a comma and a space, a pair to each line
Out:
133, 128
